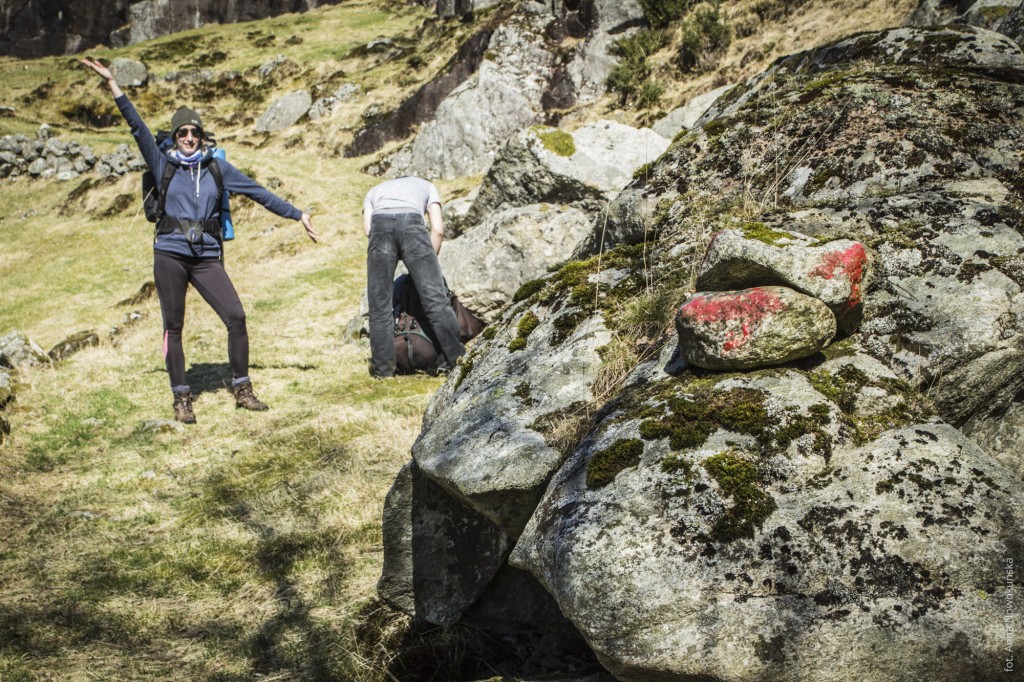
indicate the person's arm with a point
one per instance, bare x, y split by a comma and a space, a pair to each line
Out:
140, 131
436, 226
237, 182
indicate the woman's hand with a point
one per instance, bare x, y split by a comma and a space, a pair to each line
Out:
103, 73
307, 222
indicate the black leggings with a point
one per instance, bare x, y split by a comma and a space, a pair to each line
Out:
172, 275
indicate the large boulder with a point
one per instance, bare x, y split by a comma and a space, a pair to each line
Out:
684, 117
129, 72
825, 520
586, 168
1004, 16
488, 264
439, 555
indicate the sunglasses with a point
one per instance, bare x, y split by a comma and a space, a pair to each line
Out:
185, 132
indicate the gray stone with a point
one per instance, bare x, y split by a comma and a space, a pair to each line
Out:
285, 112
642, 567
129, 72
585, 169
488, 263
73, 344
6, 388
17, 351
439, 555
752, 328
484, 439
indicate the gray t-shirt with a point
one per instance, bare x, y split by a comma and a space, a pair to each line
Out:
407, 194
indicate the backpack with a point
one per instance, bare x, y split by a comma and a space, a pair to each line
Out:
153, 195
415, 348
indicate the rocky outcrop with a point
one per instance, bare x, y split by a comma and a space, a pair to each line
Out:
18, 351
766, 523
684, 117
1004, 16
528, 72
36, 28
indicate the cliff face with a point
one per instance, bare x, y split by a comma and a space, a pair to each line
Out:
36, 28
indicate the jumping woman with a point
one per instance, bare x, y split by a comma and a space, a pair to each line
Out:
187, 247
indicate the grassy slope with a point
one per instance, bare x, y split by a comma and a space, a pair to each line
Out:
250, 542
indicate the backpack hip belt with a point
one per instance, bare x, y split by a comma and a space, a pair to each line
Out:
192, 229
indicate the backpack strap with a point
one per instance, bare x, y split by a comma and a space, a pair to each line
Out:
165, 182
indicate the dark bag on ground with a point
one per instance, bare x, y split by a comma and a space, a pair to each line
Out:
415, 347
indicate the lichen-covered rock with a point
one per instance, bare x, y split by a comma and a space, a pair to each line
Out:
684, 117
439, 555
17, 351
284, 112
494, 444
752, 328
487, 264
585, 168
73, 344
1004, 16
6, 388
836, 273
904, 140
686, 550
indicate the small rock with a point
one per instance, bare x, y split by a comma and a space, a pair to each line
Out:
752, 328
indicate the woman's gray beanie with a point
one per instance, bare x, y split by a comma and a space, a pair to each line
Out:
183, 117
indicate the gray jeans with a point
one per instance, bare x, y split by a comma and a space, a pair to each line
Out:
404, 236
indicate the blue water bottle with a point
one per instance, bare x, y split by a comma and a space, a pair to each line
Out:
227, 228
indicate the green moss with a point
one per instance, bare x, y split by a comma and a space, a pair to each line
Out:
714, 128
677, 464
644, 170
558, 142
763, 233
465, 367
527, 323
606, 464
692, 418
738, 479
489, 332
842, 387
528, 289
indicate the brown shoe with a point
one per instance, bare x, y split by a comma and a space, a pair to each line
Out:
244, 397
183, 408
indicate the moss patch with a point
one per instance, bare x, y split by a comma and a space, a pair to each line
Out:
527, 323
557, 142
738, 479
606, 464
763, 233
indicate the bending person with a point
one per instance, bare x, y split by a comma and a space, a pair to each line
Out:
393, 221
187, 246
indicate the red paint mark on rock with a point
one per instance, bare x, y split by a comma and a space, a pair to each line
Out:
850, 264
747, 309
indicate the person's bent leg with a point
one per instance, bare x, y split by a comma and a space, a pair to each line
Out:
425, 270
213, 284
381, 260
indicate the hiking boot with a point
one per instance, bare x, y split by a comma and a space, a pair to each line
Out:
183, 408
244, 397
